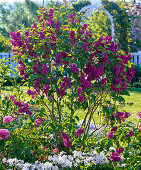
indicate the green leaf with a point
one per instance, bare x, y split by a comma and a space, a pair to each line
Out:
125, 92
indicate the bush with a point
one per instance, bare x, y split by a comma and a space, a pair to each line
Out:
69, 71
5, 45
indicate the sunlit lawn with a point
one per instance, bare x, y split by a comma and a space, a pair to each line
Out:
133, 102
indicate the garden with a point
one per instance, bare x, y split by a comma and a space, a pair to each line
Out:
70, 105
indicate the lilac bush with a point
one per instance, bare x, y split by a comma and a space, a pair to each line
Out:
67, 71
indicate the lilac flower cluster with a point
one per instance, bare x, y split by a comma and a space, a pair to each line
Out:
64, 84
22, 69
17, 39
139, 115
23, 107
39, 121
112, 132
66, 140
130, 134
74, 69
121, 115
139, 128
60, 58
79, 132
115, 157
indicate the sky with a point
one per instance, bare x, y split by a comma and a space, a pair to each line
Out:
11, 1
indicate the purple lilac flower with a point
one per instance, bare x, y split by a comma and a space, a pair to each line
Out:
79, 132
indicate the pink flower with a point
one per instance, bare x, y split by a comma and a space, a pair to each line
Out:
8, 119
110, 135
4, 134
54, 151
32, 152
66, 140
44, 158
37, 123
0, 155
79, 132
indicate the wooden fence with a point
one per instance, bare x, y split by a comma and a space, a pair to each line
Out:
9, 57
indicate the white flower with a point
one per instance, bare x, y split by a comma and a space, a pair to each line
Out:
51, 136
4, 160
19, 165
47, 166
50, 158
70, 158
138, 151
123, 165
25, 168
132, 149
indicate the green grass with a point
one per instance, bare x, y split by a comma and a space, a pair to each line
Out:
132, 102
135, 100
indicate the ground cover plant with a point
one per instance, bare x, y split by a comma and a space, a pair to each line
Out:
63, 66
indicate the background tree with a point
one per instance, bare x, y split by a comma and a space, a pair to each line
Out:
17, 16
135, 32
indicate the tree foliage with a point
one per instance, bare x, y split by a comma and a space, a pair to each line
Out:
17, 16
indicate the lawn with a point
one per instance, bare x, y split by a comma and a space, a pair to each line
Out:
132, 102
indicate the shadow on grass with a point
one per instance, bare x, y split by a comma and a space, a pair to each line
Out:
133, 89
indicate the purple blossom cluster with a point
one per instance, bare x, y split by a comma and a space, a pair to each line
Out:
139, 128
112, 132
7, 119
30, 93
79, 132
66, 83
121, 115
115, 157
16, 39
39, 121
66, 140
22, 69
130, 134
98, 65
60, 58
4, 134
23, 107
139, 115
74, 69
